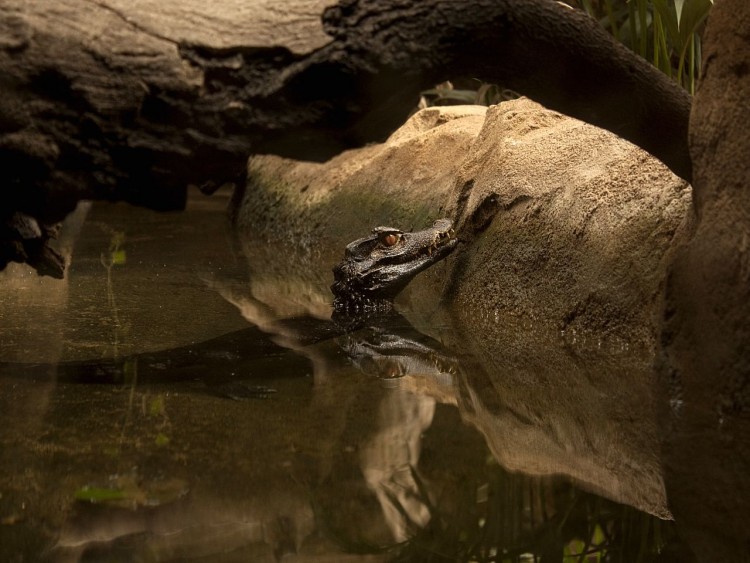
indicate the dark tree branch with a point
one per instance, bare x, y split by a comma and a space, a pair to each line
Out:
102, 104
555, 55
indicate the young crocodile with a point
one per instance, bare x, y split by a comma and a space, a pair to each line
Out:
377, 267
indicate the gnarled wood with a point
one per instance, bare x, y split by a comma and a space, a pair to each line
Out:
111, 99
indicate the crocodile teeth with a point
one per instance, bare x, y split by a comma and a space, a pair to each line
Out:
446, 235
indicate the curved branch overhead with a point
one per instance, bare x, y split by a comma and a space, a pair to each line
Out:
122, 100
555, 55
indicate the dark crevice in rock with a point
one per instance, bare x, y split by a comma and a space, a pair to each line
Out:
462, 200
484, 213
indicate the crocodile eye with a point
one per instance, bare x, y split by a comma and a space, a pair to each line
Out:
390, 239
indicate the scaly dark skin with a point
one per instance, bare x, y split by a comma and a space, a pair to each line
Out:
377, 267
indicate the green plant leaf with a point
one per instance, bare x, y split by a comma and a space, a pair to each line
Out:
573, 549
693, 13
668, 16
690, 16
98, 494
119, 257
598, 538
157, 406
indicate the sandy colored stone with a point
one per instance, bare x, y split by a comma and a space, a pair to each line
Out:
568, 224
404, 183
563, 222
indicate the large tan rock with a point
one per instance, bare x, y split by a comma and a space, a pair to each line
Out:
318, 208
564, 222
568, 224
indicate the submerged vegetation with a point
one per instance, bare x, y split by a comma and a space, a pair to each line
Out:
521, 519
504, 517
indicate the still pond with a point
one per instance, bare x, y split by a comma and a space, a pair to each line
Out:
179, 397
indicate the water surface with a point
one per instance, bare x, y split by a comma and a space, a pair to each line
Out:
183, 396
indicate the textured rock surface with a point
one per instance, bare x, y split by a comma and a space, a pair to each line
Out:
568, 224
219, 25
565, 223
103, 99
406, 182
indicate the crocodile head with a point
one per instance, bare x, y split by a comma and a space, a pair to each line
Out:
377, 267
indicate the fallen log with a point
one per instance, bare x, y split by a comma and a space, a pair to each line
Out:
117, 100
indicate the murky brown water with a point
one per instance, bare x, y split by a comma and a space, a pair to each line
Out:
182, 396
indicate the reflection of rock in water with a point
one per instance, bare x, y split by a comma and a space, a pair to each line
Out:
549, 407
390, 459
265, 529
382, 460
34, 308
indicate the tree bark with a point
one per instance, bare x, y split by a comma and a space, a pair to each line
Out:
706, 333
121, 100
